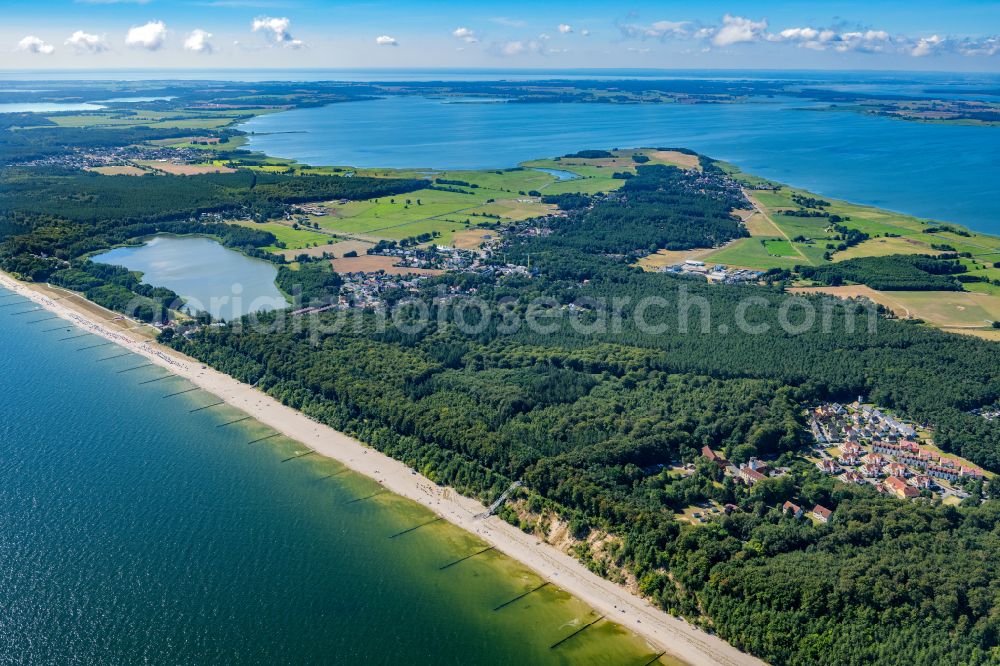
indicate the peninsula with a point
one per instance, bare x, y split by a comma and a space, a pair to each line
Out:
655, 470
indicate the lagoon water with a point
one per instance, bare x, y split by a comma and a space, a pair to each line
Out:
559, 173
46, 107
208, 276
945, 172
134, 531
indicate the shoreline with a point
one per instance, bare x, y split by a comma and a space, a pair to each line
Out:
854, 200
676, 637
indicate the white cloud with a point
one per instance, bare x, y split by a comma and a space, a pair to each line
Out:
822, 39
926, 46
738, 30
809, 38
198, 42
869, 41
657, 30
276, 30
149, 36
585, 32
513, 48
386, 40
466, 35
85, 42
986, 46
518, 47
565, 28
33, 44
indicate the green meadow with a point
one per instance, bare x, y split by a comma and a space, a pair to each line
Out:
293, 239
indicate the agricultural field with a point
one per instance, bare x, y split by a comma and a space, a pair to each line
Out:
877, 247
437, 212
121, 170
372, 263
589, 185
958, 312
756, 254
197, 143
178, 169
292, 239
510, 181
194, 119
890, 232
950, 309
779, 248
758, 224
471, 239
663, 258
682, 160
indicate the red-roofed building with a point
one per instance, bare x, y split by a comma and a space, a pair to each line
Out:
828, 466
946, 473
871, 470
750, 476
851, 477
873, 459
793, 509
896, 469
821, 513
707, 452
900, 488
850, 449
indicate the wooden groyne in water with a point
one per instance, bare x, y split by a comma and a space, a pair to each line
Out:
170, 395
108, 358
299, 455
522, 596
362, 499
103, 344
417, 527
261, 439
199, 409
467, 557
158, 379
137, 367
576, 633
39, 321
239, 420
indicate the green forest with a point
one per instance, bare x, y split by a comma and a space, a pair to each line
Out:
893, 272
591, 421
591, 413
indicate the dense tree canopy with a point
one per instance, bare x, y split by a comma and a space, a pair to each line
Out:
592, 412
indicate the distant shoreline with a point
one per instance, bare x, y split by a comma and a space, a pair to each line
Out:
678, 638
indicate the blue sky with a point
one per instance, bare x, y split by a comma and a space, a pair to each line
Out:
957, 35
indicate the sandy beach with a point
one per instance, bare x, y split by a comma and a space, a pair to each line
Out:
676, 637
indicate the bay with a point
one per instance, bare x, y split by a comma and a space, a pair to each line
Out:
944, 172
46, 107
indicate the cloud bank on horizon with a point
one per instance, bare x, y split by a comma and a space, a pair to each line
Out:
567, 37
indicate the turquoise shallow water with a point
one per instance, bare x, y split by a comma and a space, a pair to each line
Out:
943, 172
135, 531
